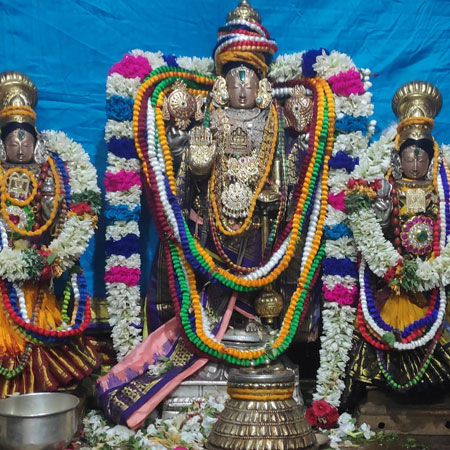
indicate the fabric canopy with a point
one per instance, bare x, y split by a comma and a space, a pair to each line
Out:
68, 46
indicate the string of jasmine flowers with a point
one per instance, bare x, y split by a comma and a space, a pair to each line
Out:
353, 108
123, 191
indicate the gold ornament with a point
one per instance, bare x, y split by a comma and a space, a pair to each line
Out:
264, 96
182, 106
298, 109
202, 151
244, 11
18, 97
416, 104
219, 92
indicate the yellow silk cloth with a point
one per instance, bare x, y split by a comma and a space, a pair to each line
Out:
12, 342
401, 310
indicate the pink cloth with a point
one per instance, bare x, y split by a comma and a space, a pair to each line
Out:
136, 419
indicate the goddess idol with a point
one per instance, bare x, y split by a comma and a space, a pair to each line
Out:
48, 204
237, 184
400, 223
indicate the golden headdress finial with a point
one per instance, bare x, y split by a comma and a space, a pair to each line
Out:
416, 104
244, 11
18, 97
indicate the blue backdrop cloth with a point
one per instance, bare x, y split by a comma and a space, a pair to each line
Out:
68, 46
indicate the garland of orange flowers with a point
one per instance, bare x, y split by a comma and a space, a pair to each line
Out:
53, 213
247, 222
31, 176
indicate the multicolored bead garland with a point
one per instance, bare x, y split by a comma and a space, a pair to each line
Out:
185, 249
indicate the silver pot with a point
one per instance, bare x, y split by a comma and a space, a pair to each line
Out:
41, 421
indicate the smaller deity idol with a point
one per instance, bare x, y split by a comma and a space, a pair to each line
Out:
402, 310
40, 226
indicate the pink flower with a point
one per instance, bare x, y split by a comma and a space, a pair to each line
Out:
132, 67
337, 201
321, 408
180, 448
122, 180
340, 294
346, 83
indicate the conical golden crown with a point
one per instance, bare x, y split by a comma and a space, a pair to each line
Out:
416, 104
18, 97
417, 99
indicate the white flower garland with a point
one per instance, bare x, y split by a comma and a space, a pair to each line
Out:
381, 255
338, 319
76, 230
124, 302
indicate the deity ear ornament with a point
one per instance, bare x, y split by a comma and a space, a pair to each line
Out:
40, 151
264, 96
219, 92
2, 151
396, 165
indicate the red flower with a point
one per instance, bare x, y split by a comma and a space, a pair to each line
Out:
331, 419
321, 408
390, 274
311, 417
80, 208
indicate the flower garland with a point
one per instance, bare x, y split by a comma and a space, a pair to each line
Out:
124, 83
177, 228
83, 203
190, 428
123, 191
353, 107
382, 257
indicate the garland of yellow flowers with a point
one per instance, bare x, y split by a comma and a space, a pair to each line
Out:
248, 220
31, 176
53, 213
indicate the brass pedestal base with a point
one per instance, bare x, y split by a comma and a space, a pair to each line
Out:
261, 414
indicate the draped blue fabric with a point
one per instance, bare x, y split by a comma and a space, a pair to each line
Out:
67, 47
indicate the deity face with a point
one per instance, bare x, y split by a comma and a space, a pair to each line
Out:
415, 162
242, 87
19, 146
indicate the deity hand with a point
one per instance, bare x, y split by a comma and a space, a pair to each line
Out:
202, 151
383, 204
177, 140
48, 197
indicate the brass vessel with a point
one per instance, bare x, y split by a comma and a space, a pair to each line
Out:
261, 413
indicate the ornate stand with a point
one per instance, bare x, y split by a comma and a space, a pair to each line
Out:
261, 413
